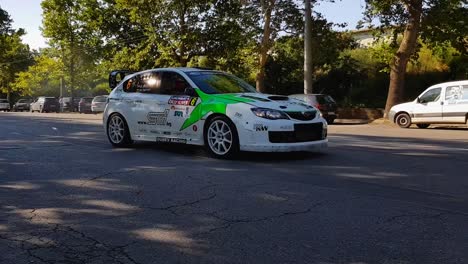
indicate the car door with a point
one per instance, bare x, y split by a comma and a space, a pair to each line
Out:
178, 99
141, 103
428, 108
455, 105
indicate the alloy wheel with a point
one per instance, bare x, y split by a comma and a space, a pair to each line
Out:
220, 137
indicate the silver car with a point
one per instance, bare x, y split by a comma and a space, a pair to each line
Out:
99, 104
4, 105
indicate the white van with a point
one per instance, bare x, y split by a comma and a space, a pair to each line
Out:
444, 103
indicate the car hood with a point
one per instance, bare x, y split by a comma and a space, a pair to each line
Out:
403, 107
277, 102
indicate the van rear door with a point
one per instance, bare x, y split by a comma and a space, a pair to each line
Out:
455, 106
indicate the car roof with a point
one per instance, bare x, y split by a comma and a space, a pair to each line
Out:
450, 83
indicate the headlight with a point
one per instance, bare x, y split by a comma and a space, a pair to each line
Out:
269, 113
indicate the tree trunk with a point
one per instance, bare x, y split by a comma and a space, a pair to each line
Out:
401, 58
308, 49
72, 64
267, 7
183, 31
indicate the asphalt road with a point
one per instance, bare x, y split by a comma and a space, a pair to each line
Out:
380, 195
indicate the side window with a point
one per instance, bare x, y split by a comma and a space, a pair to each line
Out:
465, 92
430, 96
453, 93
173, 84
144, 83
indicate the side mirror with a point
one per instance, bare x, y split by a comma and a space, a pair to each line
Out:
419, 101
190, 92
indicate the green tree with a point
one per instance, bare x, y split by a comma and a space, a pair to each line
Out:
15, 56
76, 43
415, 18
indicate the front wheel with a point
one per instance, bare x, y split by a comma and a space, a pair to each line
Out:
423, 125
117, 131
221, 138
403, 120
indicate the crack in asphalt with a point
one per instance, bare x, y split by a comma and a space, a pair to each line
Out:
71, 245
229, 222
172, 208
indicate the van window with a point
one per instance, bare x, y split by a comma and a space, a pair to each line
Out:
430, 96
465, 92
453, 93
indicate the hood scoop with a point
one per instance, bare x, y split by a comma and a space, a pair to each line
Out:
278, 98
255, 98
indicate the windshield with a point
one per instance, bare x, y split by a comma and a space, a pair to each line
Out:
87, 100
215, 83
325, 99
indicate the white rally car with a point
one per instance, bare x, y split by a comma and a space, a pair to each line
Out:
210, 108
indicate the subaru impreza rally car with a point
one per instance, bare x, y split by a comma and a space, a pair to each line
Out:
208, 108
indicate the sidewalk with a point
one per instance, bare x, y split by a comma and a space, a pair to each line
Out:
351, 121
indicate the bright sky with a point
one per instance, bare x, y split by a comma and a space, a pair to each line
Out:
27, 14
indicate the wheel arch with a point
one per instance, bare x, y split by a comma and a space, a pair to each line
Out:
402, 112
213, 115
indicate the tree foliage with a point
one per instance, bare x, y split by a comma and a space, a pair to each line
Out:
15, 56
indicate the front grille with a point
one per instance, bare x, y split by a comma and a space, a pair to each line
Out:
303, 116
301, 133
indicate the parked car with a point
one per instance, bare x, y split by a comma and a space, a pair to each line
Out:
66, 104
209, 108
45, 104
444, 103
99, 104
325, 103
84, 106
22, 105
4, 105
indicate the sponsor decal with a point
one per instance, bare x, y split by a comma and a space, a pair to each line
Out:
179, 113
142, 123
195, 128
177, 134
171, 140
158, 118
260, 127
238, 115
155, 132
166, 133
183, 100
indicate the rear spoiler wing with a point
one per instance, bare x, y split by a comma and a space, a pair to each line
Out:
115, 77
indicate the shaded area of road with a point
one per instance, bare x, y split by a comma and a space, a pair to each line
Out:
381, 195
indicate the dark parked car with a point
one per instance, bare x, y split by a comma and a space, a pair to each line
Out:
85, 105
323, 102
45, 104
76, 103
22, 105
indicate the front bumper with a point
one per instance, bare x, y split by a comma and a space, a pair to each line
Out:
312, 146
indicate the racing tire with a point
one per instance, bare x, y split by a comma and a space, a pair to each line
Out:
221, 138
117, 131
403, 120
423, 126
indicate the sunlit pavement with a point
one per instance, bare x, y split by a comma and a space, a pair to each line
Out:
380, 195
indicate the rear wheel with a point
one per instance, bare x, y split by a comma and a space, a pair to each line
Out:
403, 120
221, 138
117, 131
423, 125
